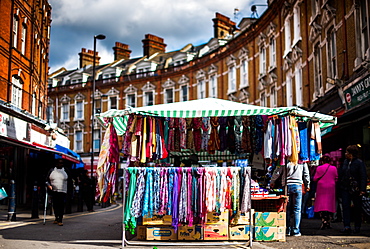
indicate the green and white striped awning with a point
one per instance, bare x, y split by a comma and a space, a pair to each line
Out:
208, 107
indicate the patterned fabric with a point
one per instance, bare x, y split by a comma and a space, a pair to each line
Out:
156, 190
205, 135
214, 139
126, 145
171, 134
238, 135
183, 201
246, 200
130, 221
177, 135
189, 134
163, 191
222, 133
231, 134
182, 127
148, 201
136, 206
197, 133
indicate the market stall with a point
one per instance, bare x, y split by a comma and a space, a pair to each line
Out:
211, 194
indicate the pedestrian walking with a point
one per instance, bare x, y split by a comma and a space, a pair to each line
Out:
87, 185
56, 182
293, 176
326, 176
352, 184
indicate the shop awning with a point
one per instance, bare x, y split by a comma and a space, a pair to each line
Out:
209, 107
63, 155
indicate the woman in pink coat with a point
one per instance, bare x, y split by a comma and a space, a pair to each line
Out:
326, 175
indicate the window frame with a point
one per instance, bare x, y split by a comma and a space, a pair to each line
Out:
213, 90
147, 101
78, 143
232, 79
201, 87
244, 82
110, 98
80, 110
169, 99
182, 97
17, 92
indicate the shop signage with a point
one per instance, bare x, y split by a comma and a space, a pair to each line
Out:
358, 92
15, 128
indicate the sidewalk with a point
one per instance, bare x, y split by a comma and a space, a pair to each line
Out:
25, 214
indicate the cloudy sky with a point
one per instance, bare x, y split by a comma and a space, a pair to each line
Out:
178, 22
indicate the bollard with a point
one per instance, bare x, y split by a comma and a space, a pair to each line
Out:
11, 206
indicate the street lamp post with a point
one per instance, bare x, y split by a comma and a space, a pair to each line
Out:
96, 37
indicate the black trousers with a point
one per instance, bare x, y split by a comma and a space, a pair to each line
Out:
58, 205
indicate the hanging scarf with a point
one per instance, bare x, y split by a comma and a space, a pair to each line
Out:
126, 145
210, 188
238, 133
222, 133
214, 140
175, 198
189, 212
136, 206
171, 186
156, 190
183, 197
163, 191
231, 135
197, 133
189, 134
148, 198
246, 200
171, 134
235, 189
205, 135
183, 135
130, 221
223, 189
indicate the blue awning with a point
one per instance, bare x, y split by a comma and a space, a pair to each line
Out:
70, 152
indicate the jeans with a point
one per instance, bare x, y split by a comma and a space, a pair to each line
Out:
357, 209
294, 208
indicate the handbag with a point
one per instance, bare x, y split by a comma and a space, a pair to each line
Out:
353, 186
3, 193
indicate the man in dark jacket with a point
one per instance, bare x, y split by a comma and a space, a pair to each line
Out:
352, 185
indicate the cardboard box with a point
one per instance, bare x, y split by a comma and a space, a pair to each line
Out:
156, 220
216, 232
240, 232
194, 232
269, 233
242, 219
141, 232
160, 233
270, 219
217, 218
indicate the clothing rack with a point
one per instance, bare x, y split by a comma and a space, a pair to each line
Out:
126, 242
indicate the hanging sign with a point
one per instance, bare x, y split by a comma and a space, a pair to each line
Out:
15, 128
357, 93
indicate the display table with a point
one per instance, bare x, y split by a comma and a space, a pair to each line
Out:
270, 204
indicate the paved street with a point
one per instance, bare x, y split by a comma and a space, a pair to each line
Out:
102, 229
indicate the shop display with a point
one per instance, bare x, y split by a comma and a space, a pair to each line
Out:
205, 202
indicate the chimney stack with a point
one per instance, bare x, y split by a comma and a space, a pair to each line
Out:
121, 51
153, 44
222, 26
87, 57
